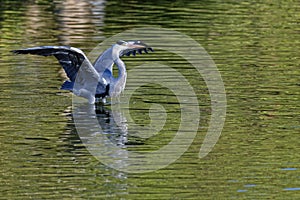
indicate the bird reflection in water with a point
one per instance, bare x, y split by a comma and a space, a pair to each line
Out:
110, 123
104, 133
114, 124
76, 140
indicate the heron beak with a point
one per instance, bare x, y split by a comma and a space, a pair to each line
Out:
136, 46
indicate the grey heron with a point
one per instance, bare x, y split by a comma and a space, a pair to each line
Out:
92, 81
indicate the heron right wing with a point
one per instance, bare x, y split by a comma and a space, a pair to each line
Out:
104, 62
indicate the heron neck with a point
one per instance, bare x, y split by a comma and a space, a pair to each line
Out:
121, 68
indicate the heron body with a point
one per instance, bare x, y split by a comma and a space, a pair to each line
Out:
92, 81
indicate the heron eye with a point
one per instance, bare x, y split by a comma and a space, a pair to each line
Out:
122, 42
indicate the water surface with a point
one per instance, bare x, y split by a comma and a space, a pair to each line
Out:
255, 46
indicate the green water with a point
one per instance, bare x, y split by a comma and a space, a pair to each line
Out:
255, 46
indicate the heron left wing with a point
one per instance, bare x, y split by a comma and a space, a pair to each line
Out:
75, 63
71, 59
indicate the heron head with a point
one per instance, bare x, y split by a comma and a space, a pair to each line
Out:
132, 47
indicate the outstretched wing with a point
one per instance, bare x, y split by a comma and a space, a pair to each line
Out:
70, 58
104, 62
75, 63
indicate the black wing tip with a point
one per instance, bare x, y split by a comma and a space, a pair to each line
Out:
20, 51
24, 51
16, 51
39, 48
